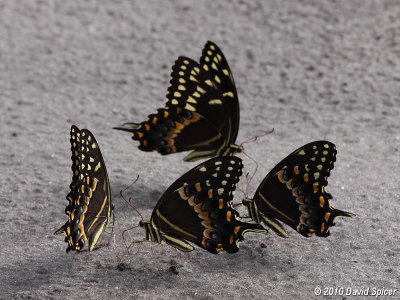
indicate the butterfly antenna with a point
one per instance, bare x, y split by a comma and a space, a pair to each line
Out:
255, 138
254, 173
129, 201
242, 190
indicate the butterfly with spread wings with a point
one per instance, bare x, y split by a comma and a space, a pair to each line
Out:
89, 200
294, 192
201, 113
197, 208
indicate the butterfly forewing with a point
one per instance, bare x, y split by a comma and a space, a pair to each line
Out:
90, 193
197, 207
215, 63
294, 192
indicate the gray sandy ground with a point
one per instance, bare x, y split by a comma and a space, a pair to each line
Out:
310, 69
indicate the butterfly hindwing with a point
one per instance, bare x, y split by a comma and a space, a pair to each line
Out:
294, 192
197, 208
90, 208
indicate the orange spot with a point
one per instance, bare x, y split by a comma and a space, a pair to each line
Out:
82, 189
315, 187
72, 215
236, 229
78, 201
140, 134
81, 220
303, 209
310, 233
197, 208
294, 192
220, 203
321, 201
87, 180
191, 201
84, 208
303, 219
322, 227
207, 223
204, 242
178, 110
173, 149
179, 125
305, 177
296, 170
144, 142
210, 193
327, 215
84, 238
68, 230
231, 240
147, 126
71, 242
166, 114
183, 194
280, 176
300, 200
204, 215
198, 187
207, 233
298, 228
155, 119
228, 216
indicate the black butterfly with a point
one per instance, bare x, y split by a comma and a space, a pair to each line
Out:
89, 200
294, 192
197, 208
201, 113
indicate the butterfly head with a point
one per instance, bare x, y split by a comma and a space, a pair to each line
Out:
251, 207
235, 149
152, 233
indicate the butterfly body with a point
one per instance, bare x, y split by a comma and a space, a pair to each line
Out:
89, 207
197, 208
294, 192
201, 113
